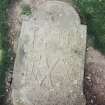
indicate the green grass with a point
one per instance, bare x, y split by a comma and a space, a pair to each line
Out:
93, 12
5, 53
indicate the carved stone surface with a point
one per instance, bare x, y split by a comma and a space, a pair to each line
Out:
49, 65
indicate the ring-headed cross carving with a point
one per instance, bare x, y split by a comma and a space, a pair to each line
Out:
50, 68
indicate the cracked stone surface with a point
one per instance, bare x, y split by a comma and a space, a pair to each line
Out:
49, 65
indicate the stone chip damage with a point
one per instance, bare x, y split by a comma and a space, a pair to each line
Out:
49, 64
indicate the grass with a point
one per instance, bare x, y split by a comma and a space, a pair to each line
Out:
5, 50
5, 53
26, 10
93, 11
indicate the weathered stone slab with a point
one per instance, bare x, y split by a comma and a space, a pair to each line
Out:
49, 65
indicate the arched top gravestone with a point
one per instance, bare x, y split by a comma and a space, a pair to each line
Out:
49, 65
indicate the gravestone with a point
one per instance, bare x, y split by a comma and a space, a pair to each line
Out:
49, 65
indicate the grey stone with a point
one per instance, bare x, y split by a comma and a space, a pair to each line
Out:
49, 65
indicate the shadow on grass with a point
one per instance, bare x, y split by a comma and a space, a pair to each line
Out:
92, 13
5, 48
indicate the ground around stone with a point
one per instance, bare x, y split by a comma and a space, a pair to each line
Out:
94, 81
